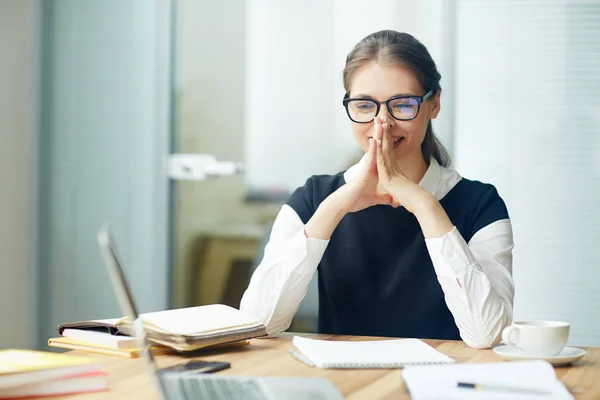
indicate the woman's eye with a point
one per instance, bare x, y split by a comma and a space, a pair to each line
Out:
365, 106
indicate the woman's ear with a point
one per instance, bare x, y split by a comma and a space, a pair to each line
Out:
435, 105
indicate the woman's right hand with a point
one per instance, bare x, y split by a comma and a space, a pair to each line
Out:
364, 190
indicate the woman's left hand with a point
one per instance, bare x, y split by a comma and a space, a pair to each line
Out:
404, 191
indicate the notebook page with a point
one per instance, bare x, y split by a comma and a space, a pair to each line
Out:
198, 320
438, 382
368, 354
102, 338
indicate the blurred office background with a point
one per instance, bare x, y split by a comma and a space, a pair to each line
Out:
95, 95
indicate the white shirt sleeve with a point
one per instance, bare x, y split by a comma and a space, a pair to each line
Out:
477, 280
281, 280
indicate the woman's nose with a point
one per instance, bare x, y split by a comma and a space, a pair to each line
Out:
387, 122
384, 113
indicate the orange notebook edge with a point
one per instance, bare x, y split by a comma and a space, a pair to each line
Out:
72, 344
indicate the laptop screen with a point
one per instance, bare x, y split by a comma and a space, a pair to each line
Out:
125, 297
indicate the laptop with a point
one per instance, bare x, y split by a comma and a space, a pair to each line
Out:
189, 385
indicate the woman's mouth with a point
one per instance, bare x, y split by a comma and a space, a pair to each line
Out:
396, 142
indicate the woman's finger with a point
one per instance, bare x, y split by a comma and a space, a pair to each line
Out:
385, 140
387, 143
381, 165
372, 154
378, 135
377, 129
370, 165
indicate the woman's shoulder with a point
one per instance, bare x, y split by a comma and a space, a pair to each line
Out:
306, 198
326, 182
320, 186
476, 203
474, 189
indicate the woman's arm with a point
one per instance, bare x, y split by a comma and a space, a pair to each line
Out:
475, 277
281, 280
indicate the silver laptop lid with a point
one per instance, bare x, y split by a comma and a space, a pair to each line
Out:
108, 249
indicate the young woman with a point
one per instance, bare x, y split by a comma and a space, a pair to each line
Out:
405, 246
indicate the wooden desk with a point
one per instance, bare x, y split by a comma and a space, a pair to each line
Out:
129, 379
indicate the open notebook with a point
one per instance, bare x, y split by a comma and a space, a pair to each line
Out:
184, 329
395, 353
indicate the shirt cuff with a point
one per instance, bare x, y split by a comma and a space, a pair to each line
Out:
306, 253
450, 254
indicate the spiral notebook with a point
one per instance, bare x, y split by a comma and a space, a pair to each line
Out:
395, 353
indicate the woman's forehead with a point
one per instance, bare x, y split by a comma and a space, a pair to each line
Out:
384, 81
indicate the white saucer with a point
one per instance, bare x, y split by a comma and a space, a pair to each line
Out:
566, 356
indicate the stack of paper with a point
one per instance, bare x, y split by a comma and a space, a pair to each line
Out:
184, 329
101, 338
498, 381
368, 354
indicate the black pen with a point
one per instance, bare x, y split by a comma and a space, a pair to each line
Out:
501, 388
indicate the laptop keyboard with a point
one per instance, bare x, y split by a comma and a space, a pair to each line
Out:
191, 387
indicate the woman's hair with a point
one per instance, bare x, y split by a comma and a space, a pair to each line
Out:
397, 48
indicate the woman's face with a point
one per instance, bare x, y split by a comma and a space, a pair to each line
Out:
381, 83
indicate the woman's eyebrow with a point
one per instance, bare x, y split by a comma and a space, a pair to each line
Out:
366, 96
362, 96
403, 94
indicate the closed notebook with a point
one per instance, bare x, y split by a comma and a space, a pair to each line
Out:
80, 383
22, 367
185, 329
395, 353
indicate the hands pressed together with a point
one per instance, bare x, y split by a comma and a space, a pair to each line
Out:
381, 181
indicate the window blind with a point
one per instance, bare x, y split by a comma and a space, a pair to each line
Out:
528, 121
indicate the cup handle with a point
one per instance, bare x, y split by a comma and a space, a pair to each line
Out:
508, 335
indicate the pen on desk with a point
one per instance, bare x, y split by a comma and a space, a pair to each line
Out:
301, 358
501, 388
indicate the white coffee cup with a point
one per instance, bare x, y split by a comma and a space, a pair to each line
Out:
537, 338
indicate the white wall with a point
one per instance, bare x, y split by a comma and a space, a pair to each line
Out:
527, 121
16, 297
288, 125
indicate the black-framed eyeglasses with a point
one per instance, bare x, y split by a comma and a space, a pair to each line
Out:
402, 108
